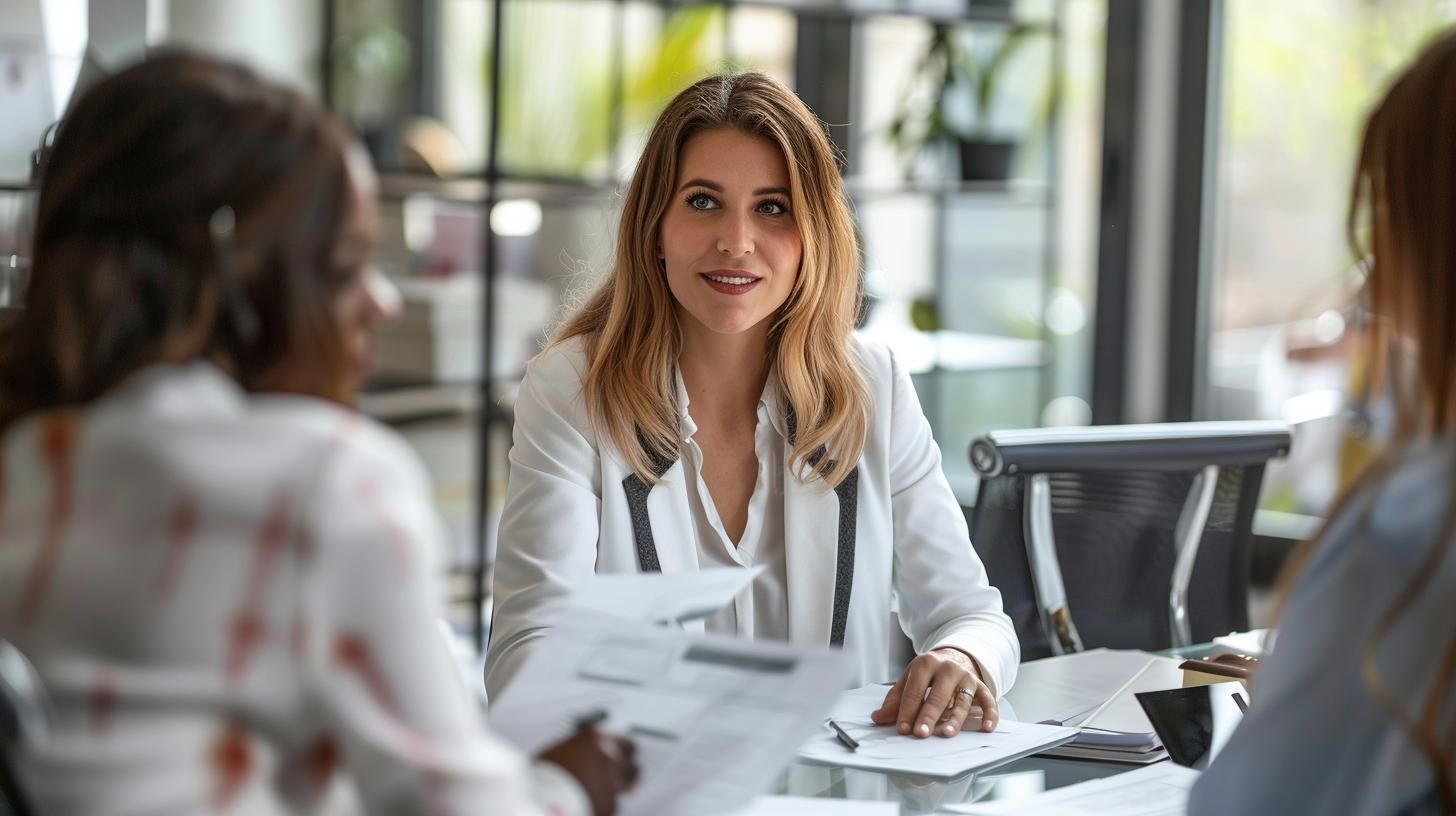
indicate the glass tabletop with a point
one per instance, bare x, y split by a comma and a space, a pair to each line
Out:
919, 795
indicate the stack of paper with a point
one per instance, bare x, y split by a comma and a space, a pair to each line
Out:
1095, 692
1258, 643
882, 748
1160, 790
714, 719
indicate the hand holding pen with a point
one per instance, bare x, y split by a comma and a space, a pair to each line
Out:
605, 765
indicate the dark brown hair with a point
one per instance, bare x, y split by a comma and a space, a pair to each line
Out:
188, 210
1404, 200
1402, 209
1402, 220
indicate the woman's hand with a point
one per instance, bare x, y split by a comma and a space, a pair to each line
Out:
940, 692
604, 765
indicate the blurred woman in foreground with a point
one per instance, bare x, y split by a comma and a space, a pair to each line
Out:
224, 575
1355, 712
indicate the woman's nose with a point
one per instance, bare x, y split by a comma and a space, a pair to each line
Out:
735, 239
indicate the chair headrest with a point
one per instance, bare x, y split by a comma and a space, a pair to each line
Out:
1163, 446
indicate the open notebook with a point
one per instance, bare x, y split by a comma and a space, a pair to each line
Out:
1095, 692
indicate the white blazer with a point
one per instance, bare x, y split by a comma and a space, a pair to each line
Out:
891, 536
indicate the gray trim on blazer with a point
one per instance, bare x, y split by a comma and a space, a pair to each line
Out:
847, 492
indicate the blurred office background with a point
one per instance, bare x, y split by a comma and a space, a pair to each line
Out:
1072, 211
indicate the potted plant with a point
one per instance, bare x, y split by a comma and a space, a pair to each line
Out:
371, 60
964, 73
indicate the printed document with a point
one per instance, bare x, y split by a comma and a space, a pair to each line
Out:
883, 748
715, 719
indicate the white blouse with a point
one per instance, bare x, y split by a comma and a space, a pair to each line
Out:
761, 610
232, 601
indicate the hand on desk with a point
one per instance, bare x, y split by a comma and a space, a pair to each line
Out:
940, 692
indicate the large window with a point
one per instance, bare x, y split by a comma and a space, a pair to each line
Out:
1299, 77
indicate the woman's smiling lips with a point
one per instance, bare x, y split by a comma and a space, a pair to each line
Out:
730, 281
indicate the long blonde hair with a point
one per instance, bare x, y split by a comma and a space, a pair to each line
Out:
1402, 207
629, 324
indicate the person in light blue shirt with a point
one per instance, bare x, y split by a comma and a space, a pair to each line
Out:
1355, 712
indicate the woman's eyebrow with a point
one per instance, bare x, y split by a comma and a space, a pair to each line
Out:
697, 182
718, 188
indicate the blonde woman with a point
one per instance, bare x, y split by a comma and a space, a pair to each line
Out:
1355, 712
710, 406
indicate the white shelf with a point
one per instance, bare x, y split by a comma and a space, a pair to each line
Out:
927, 352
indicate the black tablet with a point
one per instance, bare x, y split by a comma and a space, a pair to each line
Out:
1194, 723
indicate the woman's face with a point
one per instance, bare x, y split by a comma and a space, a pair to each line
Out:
366, 299
729, 240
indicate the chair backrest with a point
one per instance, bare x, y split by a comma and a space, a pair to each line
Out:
1133, 536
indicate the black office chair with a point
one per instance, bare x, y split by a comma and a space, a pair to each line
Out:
24, 715
1132, 536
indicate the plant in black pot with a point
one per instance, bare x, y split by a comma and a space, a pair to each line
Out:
964, 71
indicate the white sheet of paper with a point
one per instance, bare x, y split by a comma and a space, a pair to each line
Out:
1123, 712
1158, 790
1095, 690
664, 597
1069, 686
882, 748
808, 806
714, 719
1256, 643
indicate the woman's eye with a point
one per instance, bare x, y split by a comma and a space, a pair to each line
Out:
701, 201
772, 208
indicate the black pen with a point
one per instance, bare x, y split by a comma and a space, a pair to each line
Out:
844, 738
591, 719
1243, 706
